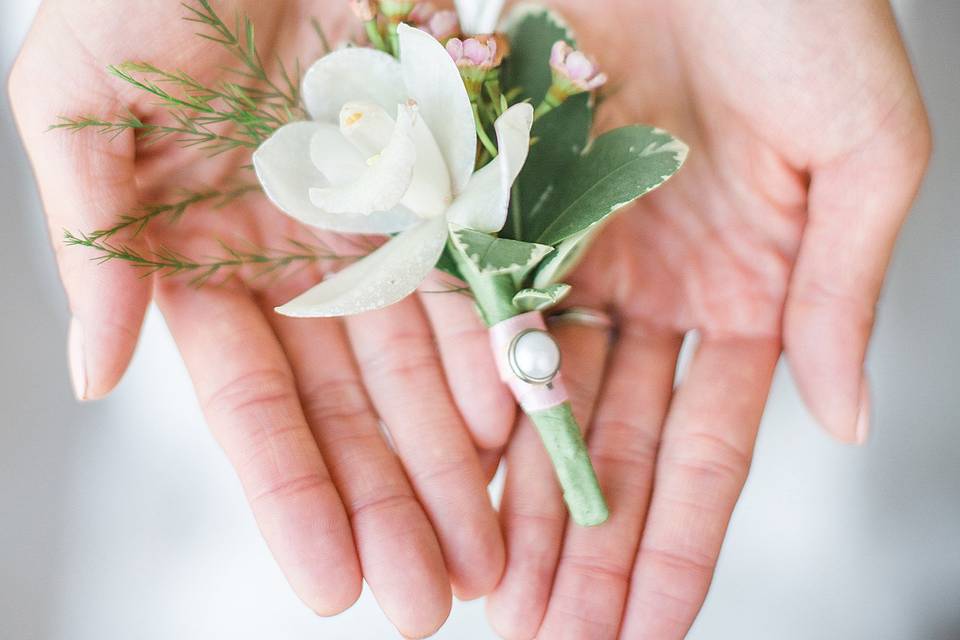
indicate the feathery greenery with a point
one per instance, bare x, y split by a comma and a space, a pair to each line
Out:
135, 223
224, 116
168, 262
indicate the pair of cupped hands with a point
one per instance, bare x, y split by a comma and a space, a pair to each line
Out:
808, 142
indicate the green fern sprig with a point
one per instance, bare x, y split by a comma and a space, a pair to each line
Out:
167, 262
172, 211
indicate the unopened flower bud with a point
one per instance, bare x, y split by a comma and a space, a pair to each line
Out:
397, 10
483, 52
443, 25
422, 13
573, 71
363, 9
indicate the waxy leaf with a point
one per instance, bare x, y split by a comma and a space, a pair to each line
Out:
540, 299
616, 169
561, 134
490, 255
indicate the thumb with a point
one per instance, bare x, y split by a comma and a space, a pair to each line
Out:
85, 180
857, 204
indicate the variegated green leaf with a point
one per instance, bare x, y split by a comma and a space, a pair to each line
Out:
540, 299
490, 255
564, 258
560, 135
616, 169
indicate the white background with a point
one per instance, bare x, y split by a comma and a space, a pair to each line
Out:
122, 519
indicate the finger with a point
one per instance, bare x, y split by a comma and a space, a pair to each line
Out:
532, 511
484, 401
86, 180
248, 395
590, 587
702, 464
401, 369
857, 205
399, 553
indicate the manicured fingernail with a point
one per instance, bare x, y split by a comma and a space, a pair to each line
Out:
863, 417
77, 361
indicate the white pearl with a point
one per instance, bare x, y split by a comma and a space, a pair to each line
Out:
536, 356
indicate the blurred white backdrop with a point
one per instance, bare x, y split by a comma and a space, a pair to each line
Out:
122, 519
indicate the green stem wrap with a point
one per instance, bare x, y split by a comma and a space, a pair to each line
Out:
558, 428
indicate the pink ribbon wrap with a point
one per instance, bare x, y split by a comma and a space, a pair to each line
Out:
532, 397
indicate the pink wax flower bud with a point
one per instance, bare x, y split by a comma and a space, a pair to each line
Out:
363, 9
472, 53
478, 59
573, 71
443, 25
422, 13
482, 52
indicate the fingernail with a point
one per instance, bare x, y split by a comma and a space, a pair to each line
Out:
863, 416
77, 361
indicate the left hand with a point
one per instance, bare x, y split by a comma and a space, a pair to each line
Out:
808, 141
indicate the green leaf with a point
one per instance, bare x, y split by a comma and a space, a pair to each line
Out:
448, 264
532, 31
564, 258
619, 167
560, 135
490, 255
540, 299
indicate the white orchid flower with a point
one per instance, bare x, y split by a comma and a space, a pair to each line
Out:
479, 17
358, 169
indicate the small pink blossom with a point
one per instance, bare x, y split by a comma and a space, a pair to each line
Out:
421, 13
474, 52
443, 25
363, 9
573, 68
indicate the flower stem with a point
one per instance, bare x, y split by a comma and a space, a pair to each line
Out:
563, 441
558, 428
373, 33
482, 134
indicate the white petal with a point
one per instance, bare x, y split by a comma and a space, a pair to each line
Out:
355, 73
336, 157
432, 79
429, 194
382, 184
483, 204
367, 125
485, 16
287, 173
386, 276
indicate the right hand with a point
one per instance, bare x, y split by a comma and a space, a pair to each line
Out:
296, 404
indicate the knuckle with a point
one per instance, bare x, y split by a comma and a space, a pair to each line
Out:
341, 399
252, 391
381, 505
282, 489
596, 568
688, 562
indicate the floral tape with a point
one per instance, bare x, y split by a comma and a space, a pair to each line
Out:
528, 361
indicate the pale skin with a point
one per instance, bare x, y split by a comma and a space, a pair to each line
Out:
809, 141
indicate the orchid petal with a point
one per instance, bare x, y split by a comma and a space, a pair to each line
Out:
284, 167
349, 75
381, 185
479, 17
432, 79
483, 204
384, 277
336, 157
487, 17
369, 128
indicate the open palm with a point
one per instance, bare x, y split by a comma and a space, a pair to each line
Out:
808, 141
296, 404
